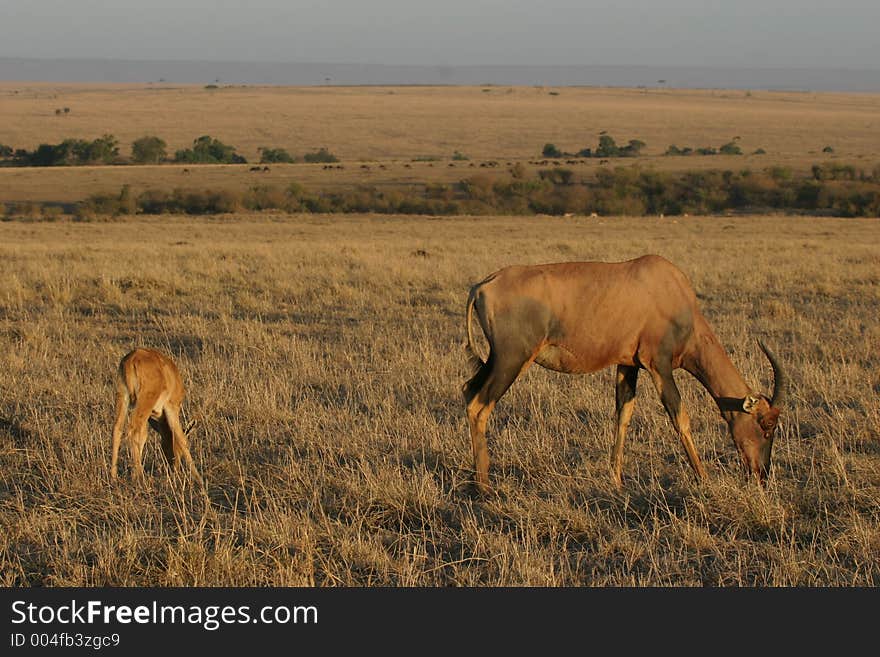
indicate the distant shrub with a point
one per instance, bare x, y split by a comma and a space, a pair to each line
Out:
828, 149
104, 150
607, 147
557, 175
295, 190
675, 150
126, 203
206, 201
108, 204
842, 172
154, 201
51, 212
188, 201
759, 151
275, 155
477, 188
632, 149
779, 173
99, 204
148, 150
320, 155
550, 150
22, 210
264, 197
207, 150
807, 195
459, 156
730, 148
6, 151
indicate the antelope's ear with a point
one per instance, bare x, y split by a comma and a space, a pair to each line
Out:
769, 419
750, 403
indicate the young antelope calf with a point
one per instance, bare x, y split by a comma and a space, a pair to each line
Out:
149, 385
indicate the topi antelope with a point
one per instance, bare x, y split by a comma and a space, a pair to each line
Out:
579, 317
149, 385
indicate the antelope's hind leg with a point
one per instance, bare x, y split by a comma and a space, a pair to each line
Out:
160, 424
481, 394
625, 401
180, 443
122, 402
137, 436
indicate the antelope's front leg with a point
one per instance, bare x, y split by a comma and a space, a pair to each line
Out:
671, 399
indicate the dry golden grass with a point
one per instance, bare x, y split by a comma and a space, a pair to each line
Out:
395, 125
324, 356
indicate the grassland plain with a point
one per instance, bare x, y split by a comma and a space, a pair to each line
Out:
324, 356
393, 126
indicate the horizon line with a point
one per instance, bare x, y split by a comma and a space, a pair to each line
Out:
724, 67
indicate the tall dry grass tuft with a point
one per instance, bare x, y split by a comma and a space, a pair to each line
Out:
323, 358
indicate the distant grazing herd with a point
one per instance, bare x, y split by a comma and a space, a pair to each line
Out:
487, 164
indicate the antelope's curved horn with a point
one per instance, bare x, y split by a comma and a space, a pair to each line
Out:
780, 383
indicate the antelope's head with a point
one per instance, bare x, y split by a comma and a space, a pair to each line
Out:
752, 426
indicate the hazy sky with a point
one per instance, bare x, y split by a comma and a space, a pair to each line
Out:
734, 33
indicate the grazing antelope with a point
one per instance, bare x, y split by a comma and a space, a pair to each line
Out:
579, 317
149, 383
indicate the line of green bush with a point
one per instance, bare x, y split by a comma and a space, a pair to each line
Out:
146, 150
839, 190
607, 147
70, 152
730, 148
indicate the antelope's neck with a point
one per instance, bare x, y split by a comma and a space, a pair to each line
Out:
707, 361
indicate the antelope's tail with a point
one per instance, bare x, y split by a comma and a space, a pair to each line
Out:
128, 377
475, 358
480, 369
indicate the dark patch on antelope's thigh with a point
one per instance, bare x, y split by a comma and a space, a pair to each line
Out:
537, 331
521, 326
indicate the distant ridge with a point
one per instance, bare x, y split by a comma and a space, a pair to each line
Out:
309, 74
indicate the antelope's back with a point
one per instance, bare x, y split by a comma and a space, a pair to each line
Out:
601, 312
144, 368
